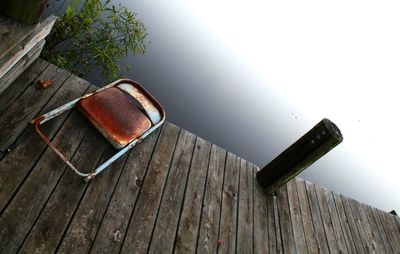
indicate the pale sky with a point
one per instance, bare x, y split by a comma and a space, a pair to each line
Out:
253, 76
339, 59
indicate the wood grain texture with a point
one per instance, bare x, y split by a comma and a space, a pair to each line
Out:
272, 232
87, 219
11, 34
337, 228
317, 218
167, 220
388, 245
395, 222
278, 231
358, 241
186, 237
296, 218
390, 229
30, 146
344, 223
144, 215
172, 192
365, 234
19, 216
326, 220
49, 228
245, 209
261, 236
285, 222
20, 66
373, 229
309, 232
227, 228
385, 231
38, 33
15, 119
8, 96
115, 223
210, 213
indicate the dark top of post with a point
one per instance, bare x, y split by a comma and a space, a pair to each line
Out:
309, 148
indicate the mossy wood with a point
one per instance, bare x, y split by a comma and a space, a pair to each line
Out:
305, 151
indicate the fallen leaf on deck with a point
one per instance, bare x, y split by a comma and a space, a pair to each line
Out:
44, 83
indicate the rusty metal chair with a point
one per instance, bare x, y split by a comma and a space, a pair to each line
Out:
123, 112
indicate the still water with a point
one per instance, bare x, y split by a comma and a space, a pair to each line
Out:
247, 88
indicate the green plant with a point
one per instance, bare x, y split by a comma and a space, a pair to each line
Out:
95, 34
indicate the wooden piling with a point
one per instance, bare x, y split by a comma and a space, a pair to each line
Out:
27, 12
305, 151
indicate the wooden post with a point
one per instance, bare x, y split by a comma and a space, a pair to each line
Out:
23, 11
305, 151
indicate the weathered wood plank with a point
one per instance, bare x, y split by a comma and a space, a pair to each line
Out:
369, 243
383, 247
28, 12
11, 34
211, 210
15, 119
56, 206
337, 228
323, 137
21, 83
53, 220
326, 220
261, 230
388, 244
245, 210
84, 225
272, 243
396, 230
388, 225
309, 232
397, 219
19, 161
372, 238
189, 221
15, 54
144, 214
295, 215
345, 224
317, 218
167, 220
288, 241
19, 216
278, 232
227, 228
115, 223
21, 65
358, 241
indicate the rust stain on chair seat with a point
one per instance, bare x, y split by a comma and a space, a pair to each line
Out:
115, 116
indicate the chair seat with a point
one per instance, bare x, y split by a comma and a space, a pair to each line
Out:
115, 116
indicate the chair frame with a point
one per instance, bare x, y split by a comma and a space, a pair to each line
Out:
152, 108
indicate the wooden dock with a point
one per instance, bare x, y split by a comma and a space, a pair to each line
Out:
174, 192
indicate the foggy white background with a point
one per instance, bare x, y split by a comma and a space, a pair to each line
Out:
253, 76
337, 59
